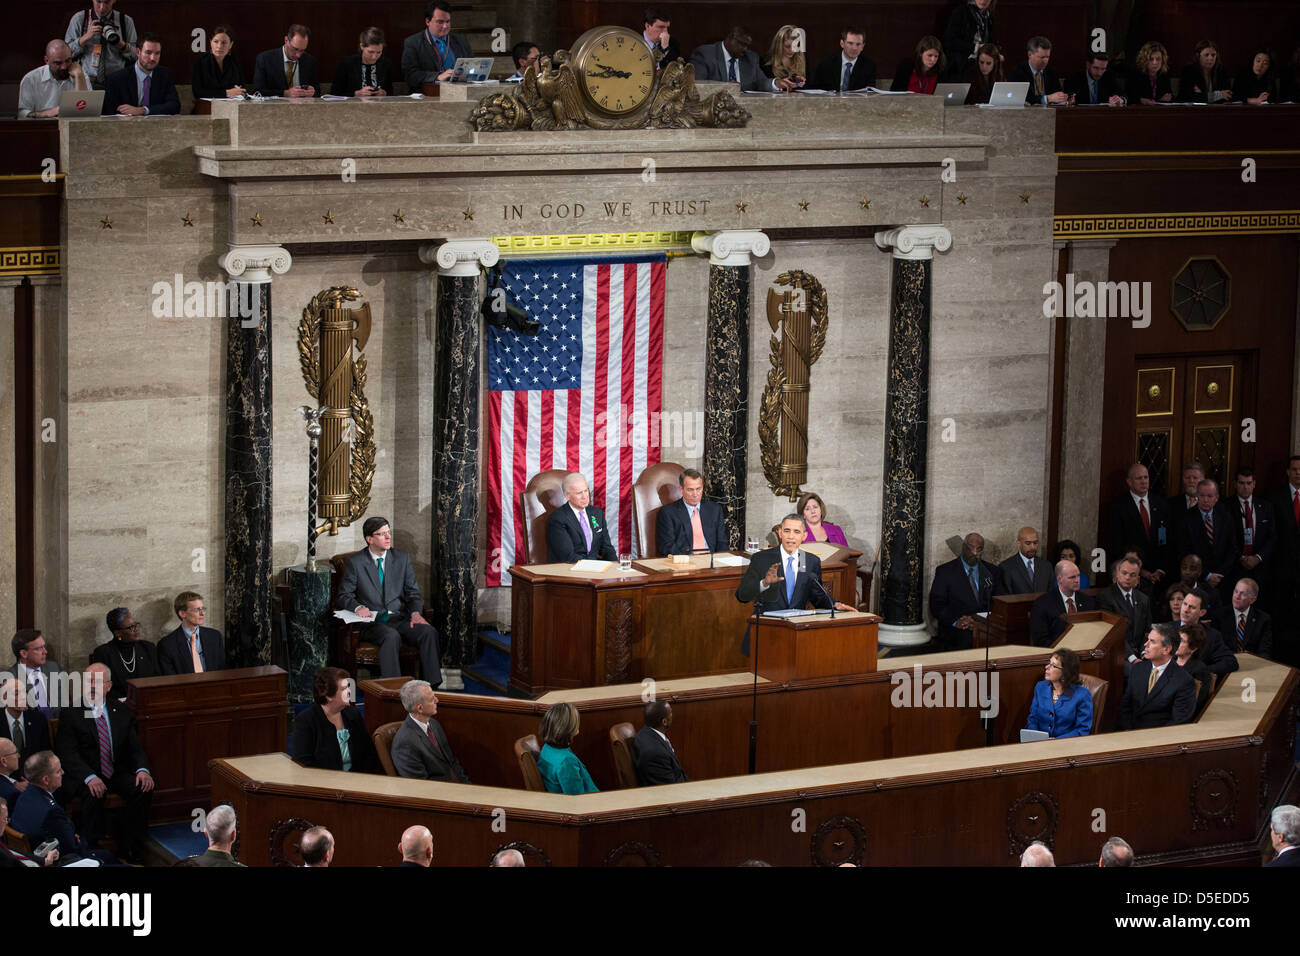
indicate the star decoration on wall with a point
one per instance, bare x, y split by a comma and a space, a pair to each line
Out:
399, 216
329, 216
468, 214
742, 206
925, 201
187, 219
865, 204
803, 205
106, 223
1024, 198
961, 198
257, 220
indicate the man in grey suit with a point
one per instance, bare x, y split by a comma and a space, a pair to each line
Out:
1024, 572
379, 583
420, 747
430, 55
732, 61
1125, 598
45, 681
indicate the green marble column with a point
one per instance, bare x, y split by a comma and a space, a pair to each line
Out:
308, 648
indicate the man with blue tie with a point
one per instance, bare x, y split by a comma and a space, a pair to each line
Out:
732, 61
847, 70
191, 648
962, 588
783, 577
1093, 85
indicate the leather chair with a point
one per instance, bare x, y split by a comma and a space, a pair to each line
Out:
1097, 687
542, 495
526, 751
655, 487
17, 841
620, 741
349, 650
383, 738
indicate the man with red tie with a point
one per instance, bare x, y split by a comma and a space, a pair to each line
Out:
690, 525
1047, 615
1136, 519
1257, 531
1284, 593
1208, 532
191, 648
1244, 626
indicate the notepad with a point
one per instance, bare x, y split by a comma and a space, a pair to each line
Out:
591, 566
730, 561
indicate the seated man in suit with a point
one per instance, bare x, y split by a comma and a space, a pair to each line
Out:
961, 589
1208, 532
1216, 655
577, 530
430, 55
1158, 693
690, 525
222, 833
1136, 519
1246, 627
11, 781
847, 70
1094, 85
1046, 617
288, 70
379, 583
45, 680
732, 61
26, 726
1043, 82
143, 88
39, 817
420, 748
786, 576
652, 752
1024, 572
1124, 598
191, 648
654, 30
100, 749
1284, 833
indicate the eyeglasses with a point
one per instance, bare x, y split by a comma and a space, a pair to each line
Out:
129, 627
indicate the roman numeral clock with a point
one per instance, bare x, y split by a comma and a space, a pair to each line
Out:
615, 70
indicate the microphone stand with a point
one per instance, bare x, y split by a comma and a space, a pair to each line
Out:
753, 718
988, 721
817, 580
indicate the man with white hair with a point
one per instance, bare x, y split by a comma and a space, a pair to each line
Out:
1037, 854
1284, 831
420, 746
577, 530
1047, 616
508, 858
221, 838
26, 726
1116, 852
416, 847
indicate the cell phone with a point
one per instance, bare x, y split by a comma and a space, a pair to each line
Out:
42, 851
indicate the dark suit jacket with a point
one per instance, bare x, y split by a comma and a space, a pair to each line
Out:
1264, 521
655, 761
420, 60
773, 598
38, 816
1286, 571
951, 597
1290, 858
828, 72
146, 661
1108, 86
1259, 630
268, 72
673, 533
120, 90
1192, 79
414, 756
1021, 73
51, 670
174, 655
9, 793
1013, 576
315, 742
348, 76
1138, 86
77, 744
1046, 623
1217, 655
674, 52
213, 857
1171, 701
1216, 558
710, 64
1139, 615
1124, 528
565, 541
360, 584
36, 732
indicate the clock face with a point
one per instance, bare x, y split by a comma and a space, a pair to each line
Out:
617, 71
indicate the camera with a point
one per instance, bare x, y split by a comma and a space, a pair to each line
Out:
111, 33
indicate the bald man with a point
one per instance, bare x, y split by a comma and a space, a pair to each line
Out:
1047, 616
416, 847
1024, 572
961, 589
508, 858
1139, 519
39, 92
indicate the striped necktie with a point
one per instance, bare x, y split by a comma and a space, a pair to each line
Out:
105, 744
1241, 632
1208, 518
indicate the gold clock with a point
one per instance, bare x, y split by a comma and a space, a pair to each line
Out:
615, 70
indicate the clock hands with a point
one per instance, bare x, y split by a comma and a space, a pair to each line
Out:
606, 72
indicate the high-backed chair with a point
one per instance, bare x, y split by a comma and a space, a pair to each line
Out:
526, 752
620, 741
653, 488
542, 495
383, 738
349, 650
17, 841
1097, 688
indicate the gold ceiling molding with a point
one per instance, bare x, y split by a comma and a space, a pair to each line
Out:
1271, 221
29, 261
595, 242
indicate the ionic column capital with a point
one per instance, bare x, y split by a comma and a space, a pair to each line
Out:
731, 247
460, 257
915, 242
255, 264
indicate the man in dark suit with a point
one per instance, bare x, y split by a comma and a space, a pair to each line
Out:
1211, 534
1193, 474
847, 70
100, 749
221, 831
26, 726
690, 525
1158, 693
1047, 616
143, 88
430, 55
379, 583
1043, 82
1024, 572
1094, 85
1244, 625
39, 817
962, 587
416, 847
1216, 655
16, 859
1256, 531
11, 781
191, 648
45, 680
1283, 598
1284, 833
655, 32
420, 747
1137, 519
732, 61
288, 70
652, 752
783, 577
577, 530
1124, 598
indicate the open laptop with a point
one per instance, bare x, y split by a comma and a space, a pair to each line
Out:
1007, 96
954, 94
74, 103
471, 69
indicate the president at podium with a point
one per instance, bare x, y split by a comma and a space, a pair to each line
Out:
786, 577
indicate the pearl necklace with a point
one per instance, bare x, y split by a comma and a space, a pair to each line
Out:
130, 668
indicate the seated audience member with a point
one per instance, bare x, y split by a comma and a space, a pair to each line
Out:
1095, 85
191, 648
366, 72
813, 510
331, 733
961, 589
1193, 475
317, 848
1158, 692
288, 70
1062, 706
561, 770
782, 577
416, 847
1244, 626
1189, 578
847, 70
11, 781
26, 726
782, 61
430, 55
922, 72
39, 91
1172, 606
577, 530
218, 73
1258, 84
1139, 519
1044, 84
16, 858
986, 70
1216, 655
1284, 833
1024, 572
1047, 615
39, 817
524, 54
508, 858
732, 61
690, 525
420, 747
90, 38
99, 747
1148, 84
1191, 641
34, 668
1067, 550
1256, 531
654, 29
1124, 598
1116, 852
221, 830
970, 26
652, 751
144, 88
126, 656
1204, 80
1037, 854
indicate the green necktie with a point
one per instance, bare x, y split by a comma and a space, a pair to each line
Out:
383, 615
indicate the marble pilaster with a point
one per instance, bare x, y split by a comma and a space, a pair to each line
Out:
308, 648
8, 452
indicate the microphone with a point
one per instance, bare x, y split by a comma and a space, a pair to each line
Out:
816, 579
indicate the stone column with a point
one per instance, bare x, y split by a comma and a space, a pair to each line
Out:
50, 521
248, 455
726, 371
8, 453
456, 348
907, 411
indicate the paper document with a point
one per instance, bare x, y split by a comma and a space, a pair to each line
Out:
347, 617
331, 98
797, 612
729, 561
591, 566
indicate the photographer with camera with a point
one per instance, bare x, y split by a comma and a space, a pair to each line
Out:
102, 40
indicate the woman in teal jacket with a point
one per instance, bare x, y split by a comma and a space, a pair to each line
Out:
561, 770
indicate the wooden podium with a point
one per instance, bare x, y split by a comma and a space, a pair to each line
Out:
813, 645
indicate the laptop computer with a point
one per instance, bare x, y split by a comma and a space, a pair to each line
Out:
75, 103
954, 94
1007, 96
471, 69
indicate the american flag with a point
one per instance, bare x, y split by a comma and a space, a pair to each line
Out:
573, 395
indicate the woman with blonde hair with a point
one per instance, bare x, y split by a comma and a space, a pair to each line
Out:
1149, 83
783, 61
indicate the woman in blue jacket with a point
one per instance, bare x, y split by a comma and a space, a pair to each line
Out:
1062, 706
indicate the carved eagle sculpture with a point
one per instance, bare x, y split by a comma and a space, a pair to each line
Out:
558, 87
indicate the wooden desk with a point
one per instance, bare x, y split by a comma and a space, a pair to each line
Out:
576, 630
1008, 622
186, 720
